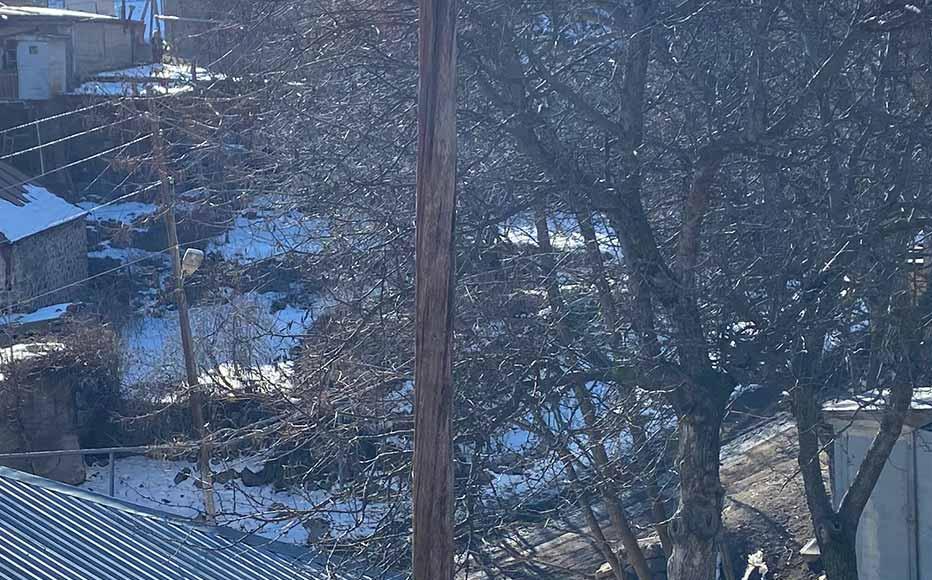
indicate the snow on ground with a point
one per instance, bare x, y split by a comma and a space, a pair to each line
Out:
564, 234
25, 351
127, 255
267, 236
156, 78
128, 89
246, 331
46, 314
738, 447
126, 213
155, 483
161, 71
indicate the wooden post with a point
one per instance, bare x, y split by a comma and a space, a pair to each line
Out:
433, 373
167, 191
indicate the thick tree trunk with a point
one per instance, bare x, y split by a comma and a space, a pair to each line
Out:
697, 525
840, 557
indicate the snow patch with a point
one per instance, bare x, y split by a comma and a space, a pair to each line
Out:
265, 237
46, 314
125, 213
44, 210
271, 513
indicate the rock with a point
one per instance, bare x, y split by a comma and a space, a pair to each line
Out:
270, 473
317, 528
251, 478
226, 476
182, 475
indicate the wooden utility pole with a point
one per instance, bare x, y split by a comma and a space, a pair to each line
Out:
196, 397
433, 372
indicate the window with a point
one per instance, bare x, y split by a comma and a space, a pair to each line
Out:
8, 53
6, 268
33, 49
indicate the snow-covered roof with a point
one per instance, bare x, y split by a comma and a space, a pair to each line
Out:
147, 80
160, 71
27, 208
875, 401
870, 406
42, 12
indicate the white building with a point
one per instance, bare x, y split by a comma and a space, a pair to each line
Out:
895, 532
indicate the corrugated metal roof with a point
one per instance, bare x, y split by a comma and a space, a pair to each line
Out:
52, 531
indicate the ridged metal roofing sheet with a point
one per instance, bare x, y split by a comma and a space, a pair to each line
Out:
51, 531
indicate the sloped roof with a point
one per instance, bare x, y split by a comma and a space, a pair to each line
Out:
49, 530
27, 208
871, 406
42, 12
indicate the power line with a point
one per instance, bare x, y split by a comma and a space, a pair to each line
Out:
59, 116
101, 274
67, 138
80, 161
123, 197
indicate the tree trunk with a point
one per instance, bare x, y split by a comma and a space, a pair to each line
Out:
839, 556
608, 476
607, 487
697, 524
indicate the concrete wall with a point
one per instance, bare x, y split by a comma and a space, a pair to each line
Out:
923, 448
897, 514
104, 46
47, 261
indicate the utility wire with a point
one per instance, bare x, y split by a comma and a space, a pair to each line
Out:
67, 138
80, 161
59, 116
104, 273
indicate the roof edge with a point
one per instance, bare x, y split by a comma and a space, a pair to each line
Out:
47, 228
227, 533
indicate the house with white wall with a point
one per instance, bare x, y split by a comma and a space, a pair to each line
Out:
48, 51
895, 531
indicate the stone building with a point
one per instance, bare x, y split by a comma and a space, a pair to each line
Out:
43, 245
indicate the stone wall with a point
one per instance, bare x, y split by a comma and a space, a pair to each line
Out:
46, 261
37, 413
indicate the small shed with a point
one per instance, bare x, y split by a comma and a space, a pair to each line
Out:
45, 51
52, 530
43, 244
895, 532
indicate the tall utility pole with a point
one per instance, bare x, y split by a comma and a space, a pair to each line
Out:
433, 367
196, 397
